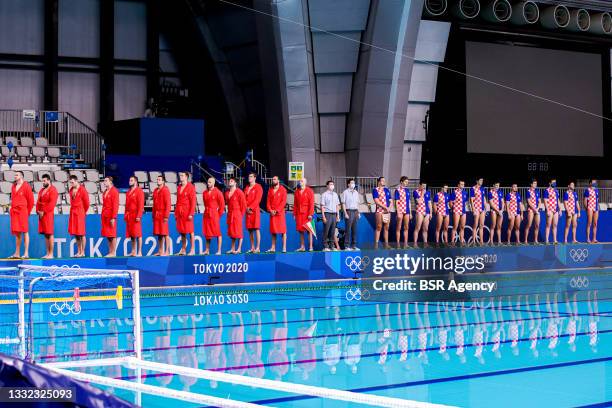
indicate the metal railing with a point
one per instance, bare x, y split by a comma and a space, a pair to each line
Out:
207, 174
366, 184
59, 128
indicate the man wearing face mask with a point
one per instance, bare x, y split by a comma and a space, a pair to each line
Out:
551, 201
591, 203
350, 208
330, 210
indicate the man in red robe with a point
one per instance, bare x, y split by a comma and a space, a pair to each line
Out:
110, 209
79, 204
253, 193
134, 208
303, 211
236, 208
161, 213
275, 204
184, 211
214, 207
45, 208
22, 202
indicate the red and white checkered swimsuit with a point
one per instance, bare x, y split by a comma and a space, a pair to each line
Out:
495, 199
458, 203
441, 205
552, 201
532, 199
570, 204
512, 205
420, 203
381, 197
591, 200
477, 200
400, 205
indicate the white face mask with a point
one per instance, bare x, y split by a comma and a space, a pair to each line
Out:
331, 188
352, 186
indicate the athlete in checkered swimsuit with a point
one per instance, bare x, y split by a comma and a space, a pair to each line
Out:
422, 201
459, 197
591, 204
382, 199
496, 203
440, 208
513, 207
551, 201
402, 209
533, 214
572, 211
477, 201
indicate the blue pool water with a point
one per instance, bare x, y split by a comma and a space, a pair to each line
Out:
529, 348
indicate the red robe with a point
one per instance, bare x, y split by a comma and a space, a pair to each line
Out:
161, 210
134, 208
47, 199
236, 207
277, 200
110, 209
303, 206
253, 200
184, 208
214, 204
22, 202
79, 204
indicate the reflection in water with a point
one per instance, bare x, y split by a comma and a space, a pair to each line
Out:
278, 359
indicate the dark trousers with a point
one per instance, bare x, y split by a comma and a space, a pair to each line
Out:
350, 232
329, 230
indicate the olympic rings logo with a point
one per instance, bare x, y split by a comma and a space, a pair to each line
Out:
357, 294
579, 255
357, 263
64, 308
578, 282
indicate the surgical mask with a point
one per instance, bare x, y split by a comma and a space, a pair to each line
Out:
331, 188
299, 185
594, 184
352, 186
553, 184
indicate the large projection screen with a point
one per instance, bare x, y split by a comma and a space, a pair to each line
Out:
503, 121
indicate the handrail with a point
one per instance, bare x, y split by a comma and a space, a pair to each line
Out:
206, 172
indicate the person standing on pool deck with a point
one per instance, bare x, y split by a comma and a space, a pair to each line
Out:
214, 207
184, 211
382, 199
275, 204
161, 213
350, 208
110, 209
134, 208
533, 214
496, 202
422, 200
513, 207
330, 210
458, 198
22, 202
477, 200
45, 208
551, 201
303, 211
591, 204
572, 211
79, 204
236, 208
402, 211
253, 193
441, 210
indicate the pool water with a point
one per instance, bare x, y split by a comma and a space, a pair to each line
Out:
526, 350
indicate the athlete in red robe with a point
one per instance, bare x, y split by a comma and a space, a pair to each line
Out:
110, 209
22, 202
134, 208
253, 193
275, 204
236, 207
79, 204
184, 211
214, 204
45, 207
303, 211
161, 213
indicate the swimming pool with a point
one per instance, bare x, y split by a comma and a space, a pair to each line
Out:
528, 348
